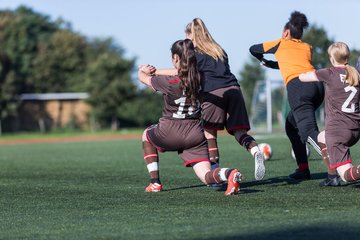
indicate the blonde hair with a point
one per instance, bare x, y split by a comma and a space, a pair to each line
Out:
340, 52
203, 40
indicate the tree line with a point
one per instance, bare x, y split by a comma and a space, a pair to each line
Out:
38, 55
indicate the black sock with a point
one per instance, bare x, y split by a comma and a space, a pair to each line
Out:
155, 180
331, 176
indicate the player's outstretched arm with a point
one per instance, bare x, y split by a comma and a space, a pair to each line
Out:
166, 72
257, 51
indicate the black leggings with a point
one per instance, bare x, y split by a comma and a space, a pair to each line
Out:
301, 126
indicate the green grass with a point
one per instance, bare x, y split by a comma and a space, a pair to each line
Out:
95, 190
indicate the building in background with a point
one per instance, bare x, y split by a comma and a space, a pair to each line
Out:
49, 111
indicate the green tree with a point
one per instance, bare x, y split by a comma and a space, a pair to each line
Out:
60, 63
143, 110
249, 75
20, 32
355, 54
108, 79
318, 38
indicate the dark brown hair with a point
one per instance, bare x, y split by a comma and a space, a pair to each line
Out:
296, 24
188, 72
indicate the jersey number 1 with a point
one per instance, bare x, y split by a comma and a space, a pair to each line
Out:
180, 112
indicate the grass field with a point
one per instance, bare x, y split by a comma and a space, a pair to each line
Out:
95, 190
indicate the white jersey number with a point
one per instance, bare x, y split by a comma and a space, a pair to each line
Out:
347, 107
180, 112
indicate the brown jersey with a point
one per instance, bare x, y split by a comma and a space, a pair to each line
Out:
176, 105
180, 128
341, 100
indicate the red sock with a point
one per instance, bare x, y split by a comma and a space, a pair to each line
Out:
303, 167
352, 174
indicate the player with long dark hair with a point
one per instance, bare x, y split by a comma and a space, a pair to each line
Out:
293, 58
179, 129
342, 120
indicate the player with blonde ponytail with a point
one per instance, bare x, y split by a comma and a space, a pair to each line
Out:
342, 122
223, 104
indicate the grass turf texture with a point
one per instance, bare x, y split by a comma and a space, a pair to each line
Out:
95, 190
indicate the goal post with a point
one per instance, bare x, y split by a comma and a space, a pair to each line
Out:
269, 107
266, 105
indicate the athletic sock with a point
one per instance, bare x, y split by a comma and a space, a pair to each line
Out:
218, 175
325, 158
352, 174
303, 167
155, 180
213, 150
151, 159
332, 176
254, 150
247, 141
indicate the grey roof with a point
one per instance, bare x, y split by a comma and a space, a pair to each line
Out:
53, 96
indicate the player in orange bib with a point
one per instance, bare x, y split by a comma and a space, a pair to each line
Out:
293, 58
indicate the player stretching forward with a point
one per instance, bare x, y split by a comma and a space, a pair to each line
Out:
180, 128
342, 122
294, 58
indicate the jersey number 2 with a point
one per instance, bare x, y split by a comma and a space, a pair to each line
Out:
347, 106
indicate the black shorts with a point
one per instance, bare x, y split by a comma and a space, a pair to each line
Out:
224, 107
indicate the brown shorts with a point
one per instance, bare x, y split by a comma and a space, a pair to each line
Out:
224, 107
184, 136
338, 143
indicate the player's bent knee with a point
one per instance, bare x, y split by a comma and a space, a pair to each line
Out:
321, 137
342, 169
144, 137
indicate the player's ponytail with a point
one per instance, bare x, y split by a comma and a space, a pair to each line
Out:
296, 24
203, 40
188, 72
340, 53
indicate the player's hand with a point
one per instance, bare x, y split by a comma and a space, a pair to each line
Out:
269, 63
147, 69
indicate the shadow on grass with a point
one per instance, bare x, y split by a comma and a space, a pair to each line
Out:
219, 189
281, 179
323, 231
269, 181
185, 187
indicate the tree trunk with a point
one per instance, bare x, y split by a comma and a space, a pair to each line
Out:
114, 124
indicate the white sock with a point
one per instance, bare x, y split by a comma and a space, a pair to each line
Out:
222, 174
154, 166
254, 150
